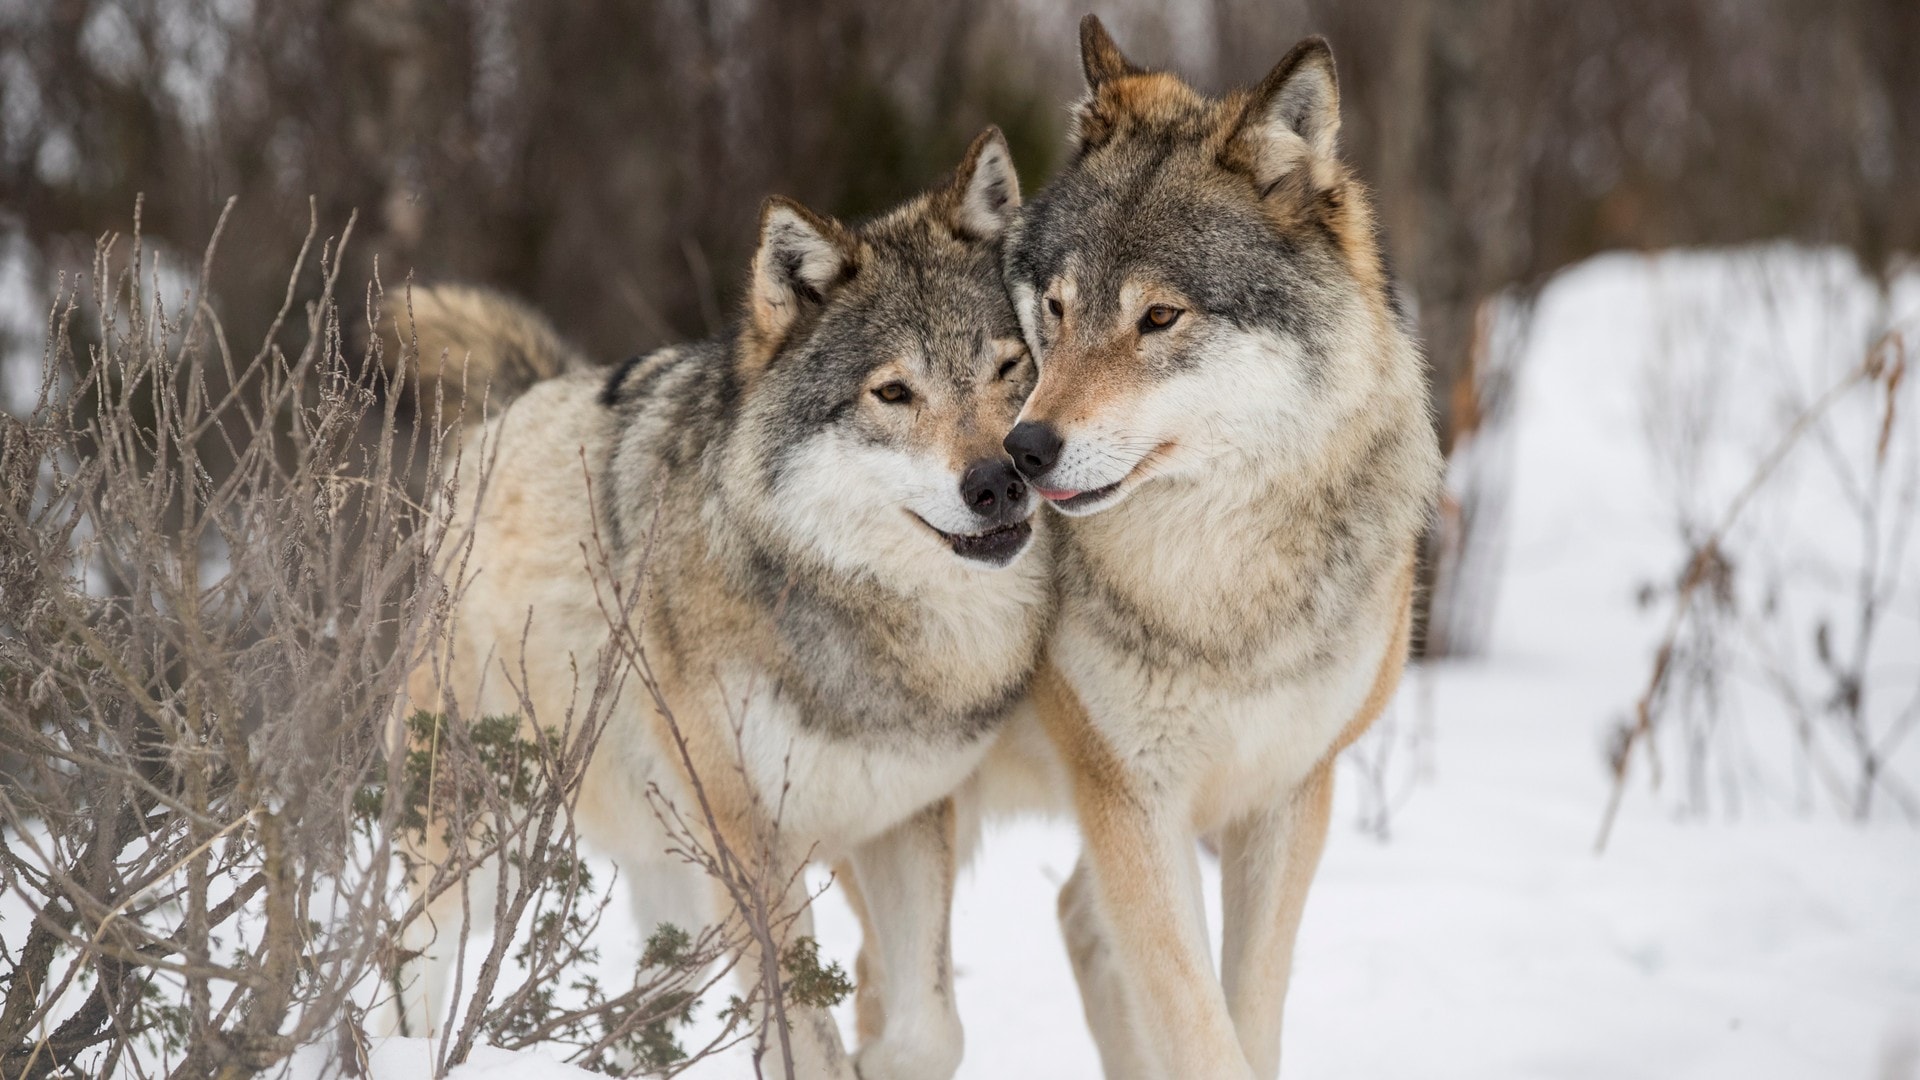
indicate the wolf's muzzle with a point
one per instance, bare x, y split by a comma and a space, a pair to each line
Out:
994, 491
998, 498
1035, 448
996, 546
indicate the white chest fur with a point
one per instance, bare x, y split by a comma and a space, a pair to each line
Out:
831, 792
1226, 750
1256, 704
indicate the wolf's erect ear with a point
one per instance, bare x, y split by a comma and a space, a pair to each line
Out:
802, 258
1100, 58
1292, 119
986, 189
1093, 118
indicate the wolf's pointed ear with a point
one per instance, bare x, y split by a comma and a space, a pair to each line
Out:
1292, 119
1092, 121
986, 189
802, 258
1100, 58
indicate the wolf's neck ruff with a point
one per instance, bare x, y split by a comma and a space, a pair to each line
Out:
1253, 575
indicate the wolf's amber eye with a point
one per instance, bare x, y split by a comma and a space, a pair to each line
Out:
1159, 317
893, 393
1054, 305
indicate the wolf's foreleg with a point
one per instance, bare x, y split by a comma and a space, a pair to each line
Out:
1145, 880
812, 1034
905, 879
1267, 861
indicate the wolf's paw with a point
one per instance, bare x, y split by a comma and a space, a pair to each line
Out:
933, 1055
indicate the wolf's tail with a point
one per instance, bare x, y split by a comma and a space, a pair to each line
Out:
478, 345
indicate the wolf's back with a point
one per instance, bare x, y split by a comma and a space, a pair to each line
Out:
476, 344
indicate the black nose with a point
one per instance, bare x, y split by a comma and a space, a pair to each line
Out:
1034, 448
992, 487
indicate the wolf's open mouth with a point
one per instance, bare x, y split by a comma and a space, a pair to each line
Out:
997, 546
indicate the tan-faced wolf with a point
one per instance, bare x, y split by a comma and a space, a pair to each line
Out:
845, 590
1233, 416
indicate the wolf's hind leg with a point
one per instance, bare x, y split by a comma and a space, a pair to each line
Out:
869, 1015
905, 877
1102, 994
1267, 860
434, 940
814, 1036
665, 891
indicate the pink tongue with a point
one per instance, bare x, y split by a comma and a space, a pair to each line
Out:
1052, 495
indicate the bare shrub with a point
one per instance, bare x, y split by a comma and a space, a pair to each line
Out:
213, 582
1394, 756
1466, 547
1760, 622
195, 665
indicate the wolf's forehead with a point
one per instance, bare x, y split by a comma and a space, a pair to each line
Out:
937, 324
1159, 220
1207, 240
936, 297
1092, 210
925, 272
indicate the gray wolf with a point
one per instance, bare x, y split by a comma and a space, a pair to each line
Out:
1231, 416
846, 591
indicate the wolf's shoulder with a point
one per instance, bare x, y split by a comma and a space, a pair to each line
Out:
643, 376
